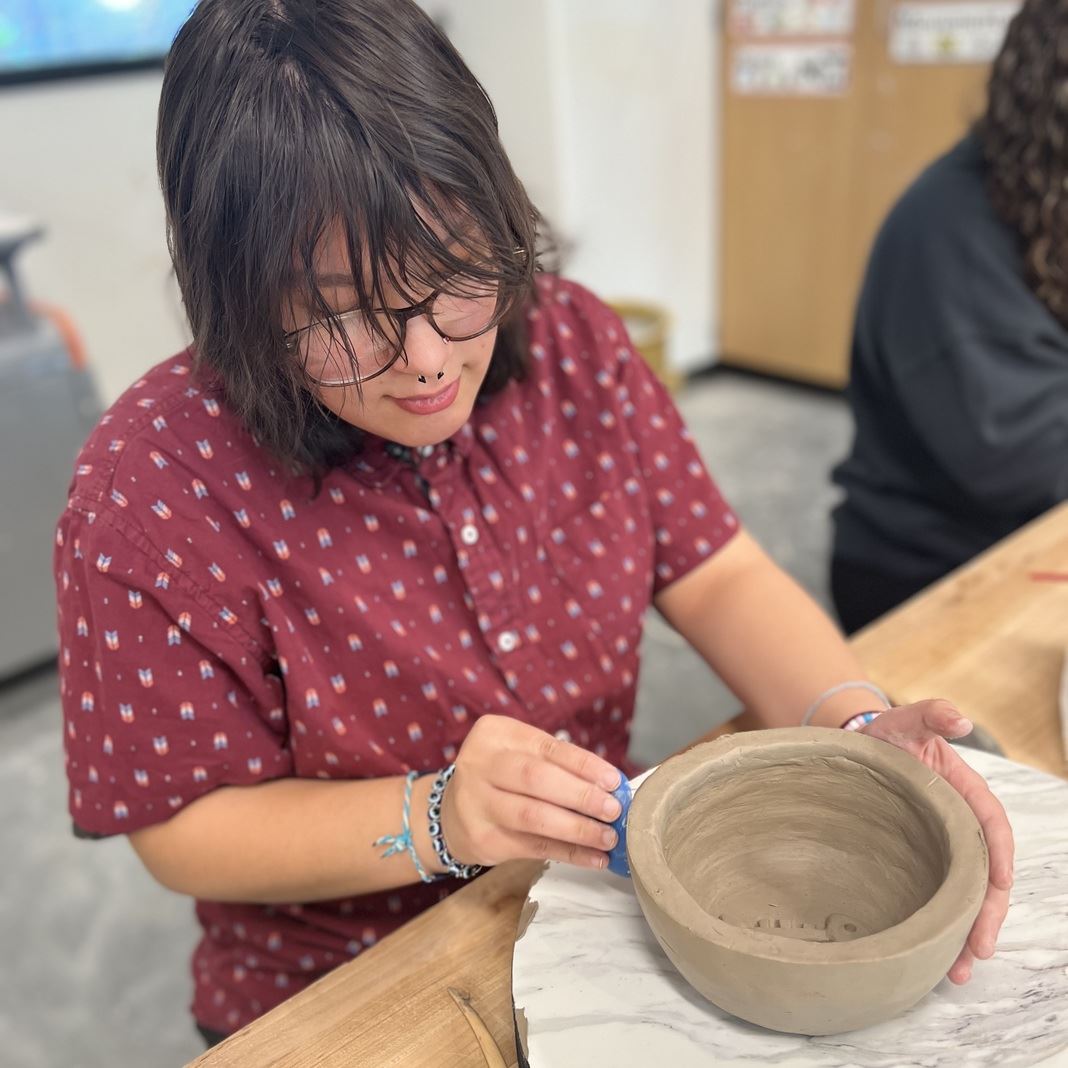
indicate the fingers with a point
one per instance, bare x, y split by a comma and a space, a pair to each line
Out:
930, 719
539, 848
919, 728
943, 719
538, 819
998, 834
518, 792
578, 761
523, 829
533, 776
984, 934
991, 816
961, 971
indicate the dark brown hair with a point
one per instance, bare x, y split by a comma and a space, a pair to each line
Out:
282, 118
1024, 134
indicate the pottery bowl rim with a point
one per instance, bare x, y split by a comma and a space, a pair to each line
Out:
961, 891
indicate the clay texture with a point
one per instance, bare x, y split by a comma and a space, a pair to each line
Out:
808, 880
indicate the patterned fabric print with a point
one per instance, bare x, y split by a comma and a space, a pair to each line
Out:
222, 625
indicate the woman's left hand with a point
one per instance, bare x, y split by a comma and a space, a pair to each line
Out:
922, 729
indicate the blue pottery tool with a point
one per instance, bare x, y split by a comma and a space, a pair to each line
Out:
617, 855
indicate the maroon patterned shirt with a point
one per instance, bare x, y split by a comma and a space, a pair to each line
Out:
220, 624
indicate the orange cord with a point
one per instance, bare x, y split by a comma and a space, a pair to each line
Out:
67, 331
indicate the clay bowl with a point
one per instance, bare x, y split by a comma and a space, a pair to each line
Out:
808, 880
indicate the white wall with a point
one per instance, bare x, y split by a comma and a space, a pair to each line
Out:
634, 100
80, 157
607, 109
507, 45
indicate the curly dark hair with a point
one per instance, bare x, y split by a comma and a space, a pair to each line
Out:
281, 118
1024, 134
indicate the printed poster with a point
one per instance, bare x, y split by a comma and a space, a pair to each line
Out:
951, 32
791, 18
791, 69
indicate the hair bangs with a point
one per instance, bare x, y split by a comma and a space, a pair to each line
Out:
359, 132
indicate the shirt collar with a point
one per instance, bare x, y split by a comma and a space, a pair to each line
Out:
380, 460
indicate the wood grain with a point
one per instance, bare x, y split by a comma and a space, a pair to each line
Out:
390, 1006
990, 637
806, 183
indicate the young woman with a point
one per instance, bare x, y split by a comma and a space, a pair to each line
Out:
389, 529
959, 382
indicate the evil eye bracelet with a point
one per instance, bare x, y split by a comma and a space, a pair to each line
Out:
437, 835
401, 843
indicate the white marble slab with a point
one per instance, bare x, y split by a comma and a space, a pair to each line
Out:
596, 989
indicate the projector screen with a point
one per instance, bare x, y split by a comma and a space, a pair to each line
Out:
64, 38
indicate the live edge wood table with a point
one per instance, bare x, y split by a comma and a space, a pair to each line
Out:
992, 638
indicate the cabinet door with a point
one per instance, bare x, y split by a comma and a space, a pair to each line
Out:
806, 182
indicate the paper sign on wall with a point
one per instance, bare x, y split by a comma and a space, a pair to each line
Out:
791, 69
791, 18
957, 32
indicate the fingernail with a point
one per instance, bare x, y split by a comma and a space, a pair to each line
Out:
611, 779
611, 808
598, 861
608, 838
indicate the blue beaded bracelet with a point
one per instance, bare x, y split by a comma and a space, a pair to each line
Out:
400, 843
437, 834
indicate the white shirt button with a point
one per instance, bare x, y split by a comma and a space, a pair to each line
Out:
507, 641
563, 735
425, 451
469, 534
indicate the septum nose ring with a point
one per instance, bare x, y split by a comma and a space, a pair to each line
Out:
441, 375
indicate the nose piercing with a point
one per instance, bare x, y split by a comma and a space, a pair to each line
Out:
441, 375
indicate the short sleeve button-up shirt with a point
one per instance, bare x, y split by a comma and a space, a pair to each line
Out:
223, 624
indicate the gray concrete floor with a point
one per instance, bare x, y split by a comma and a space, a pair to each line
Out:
97, 971
771, 447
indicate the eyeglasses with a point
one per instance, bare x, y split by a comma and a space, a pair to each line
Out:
376, 338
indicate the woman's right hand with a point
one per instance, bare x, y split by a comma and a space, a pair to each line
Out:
519, 793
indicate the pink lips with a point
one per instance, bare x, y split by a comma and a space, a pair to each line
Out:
436, 402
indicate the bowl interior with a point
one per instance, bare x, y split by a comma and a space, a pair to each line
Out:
821, 848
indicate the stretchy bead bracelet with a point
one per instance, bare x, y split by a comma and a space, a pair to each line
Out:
840, 688
437, 835
400, 843
861, 719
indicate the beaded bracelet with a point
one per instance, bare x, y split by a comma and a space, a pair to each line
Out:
841, 687
400, 843
437, 834
861, 719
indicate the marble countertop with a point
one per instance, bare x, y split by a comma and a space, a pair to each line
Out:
595, 987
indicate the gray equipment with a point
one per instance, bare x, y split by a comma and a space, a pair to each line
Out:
47, 408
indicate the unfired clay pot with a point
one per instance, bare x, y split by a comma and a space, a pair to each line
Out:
808, 880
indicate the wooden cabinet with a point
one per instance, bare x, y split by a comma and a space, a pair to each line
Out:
807, 181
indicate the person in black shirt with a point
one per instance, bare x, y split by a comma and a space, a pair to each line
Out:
959, 379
